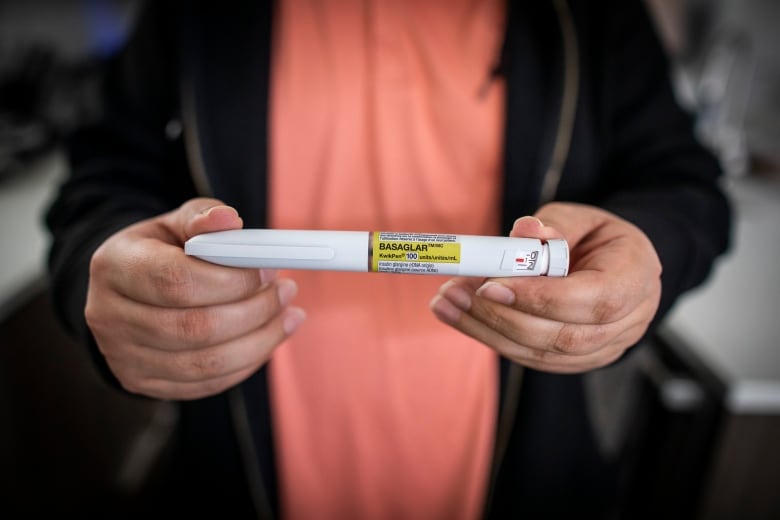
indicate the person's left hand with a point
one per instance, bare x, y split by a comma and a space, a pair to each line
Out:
581, 322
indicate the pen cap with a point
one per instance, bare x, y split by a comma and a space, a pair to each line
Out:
558, 252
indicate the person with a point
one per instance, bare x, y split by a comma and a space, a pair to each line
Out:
352, 395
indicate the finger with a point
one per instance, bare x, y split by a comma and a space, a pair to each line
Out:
575, 221
175, 390
169, 328
584, 297
200, 215
539, 359
570, 339
160, 274
197, 365
532, 227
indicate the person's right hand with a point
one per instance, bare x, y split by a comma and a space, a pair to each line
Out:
173, 326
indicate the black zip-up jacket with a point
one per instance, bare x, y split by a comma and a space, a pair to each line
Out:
590, 117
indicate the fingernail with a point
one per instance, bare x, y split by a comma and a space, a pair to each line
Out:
293, 318
457, 295
268, 275
529, 218
497, 293
208, 211
287, 289
444, 309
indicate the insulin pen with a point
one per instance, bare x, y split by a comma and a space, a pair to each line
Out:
383, 252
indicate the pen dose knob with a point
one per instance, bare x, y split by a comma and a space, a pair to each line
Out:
558, 251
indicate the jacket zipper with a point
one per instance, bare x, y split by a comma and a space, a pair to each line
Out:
552, 177
238, 411
192, 139
571, 64
248, 450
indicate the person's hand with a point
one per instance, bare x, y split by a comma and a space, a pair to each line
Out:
175, 327
564, 325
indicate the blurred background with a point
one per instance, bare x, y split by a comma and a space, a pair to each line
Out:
693, 422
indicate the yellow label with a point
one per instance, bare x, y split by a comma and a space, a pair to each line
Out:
415, 253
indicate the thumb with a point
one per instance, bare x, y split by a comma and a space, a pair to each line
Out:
575, 221
201, 215
532, 227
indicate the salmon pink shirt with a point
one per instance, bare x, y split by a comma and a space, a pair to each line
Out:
380, 120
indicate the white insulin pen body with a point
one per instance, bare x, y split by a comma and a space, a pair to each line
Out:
388, 252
